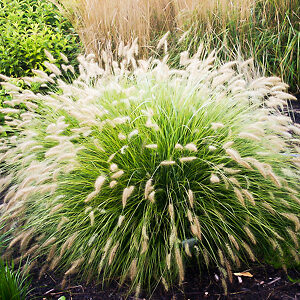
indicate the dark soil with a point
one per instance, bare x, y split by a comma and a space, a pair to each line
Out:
294, 109
266, 283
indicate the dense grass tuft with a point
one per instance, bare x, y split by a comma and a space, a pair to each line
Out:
14, 284
136, 171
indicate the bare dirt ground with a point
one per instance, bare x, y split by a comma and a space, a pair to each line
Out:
266, 283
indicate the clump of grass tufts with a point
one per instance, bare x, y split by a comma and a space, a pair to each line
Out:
111, 176
14, 284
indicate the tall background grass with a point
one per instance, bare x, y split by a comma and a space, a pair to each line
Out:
266, 30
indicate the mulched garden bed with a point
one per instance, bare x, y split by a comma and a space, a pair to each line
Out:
266, 283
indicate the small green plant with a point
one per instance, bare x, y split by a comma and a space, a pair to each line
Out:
136, 171
13, 283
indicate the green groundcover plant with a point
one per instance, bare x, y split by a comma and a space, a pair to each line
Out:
136, 171
14, 283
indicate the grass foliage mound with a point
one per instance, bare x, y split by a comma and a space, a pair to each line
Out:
136, 171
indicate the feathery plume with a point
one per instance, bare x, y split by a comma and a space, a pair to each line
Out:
178, 147
216, 126
227, 145
292, 217
151, 146
191, 147
148, 188
249, 196
113, 183
248, 250
120, 220
133, 133
126, 194
191, 197
234, 242
187, 159
167, 163
214, 178
239, 195
294, 237
151, 197
121, 136
113, 167
269, 207
133, 269
112, 253
117, 174
250, 234
179, 265
92, 218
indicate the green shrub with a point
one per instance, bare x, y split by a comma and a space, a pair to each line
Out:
13, 283
28, 27
115, 176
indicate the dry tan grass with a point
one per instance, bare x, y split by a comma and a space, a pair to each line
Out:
99, 21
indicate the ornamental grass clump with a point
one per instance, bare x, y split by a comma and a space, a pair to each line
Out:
136, 171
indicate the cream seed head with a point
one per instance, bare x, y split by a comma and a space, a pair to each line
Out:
148, 188
92, 218
133, 269
178, 147
234, 242
133, 133
151, 124
126, 194
228, 144
117, 174
151, 146
248, 135
179, 263
234, 181
249, 196
151, 197
111, 157
120, 220
239, 195
216, 126
122, 150
191, 147
99, 183
112, 253
187, 159
113, 183
191, 197
121, 136
292, 217
113, 167
171, 211
214, 178
167, 163
233, 154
